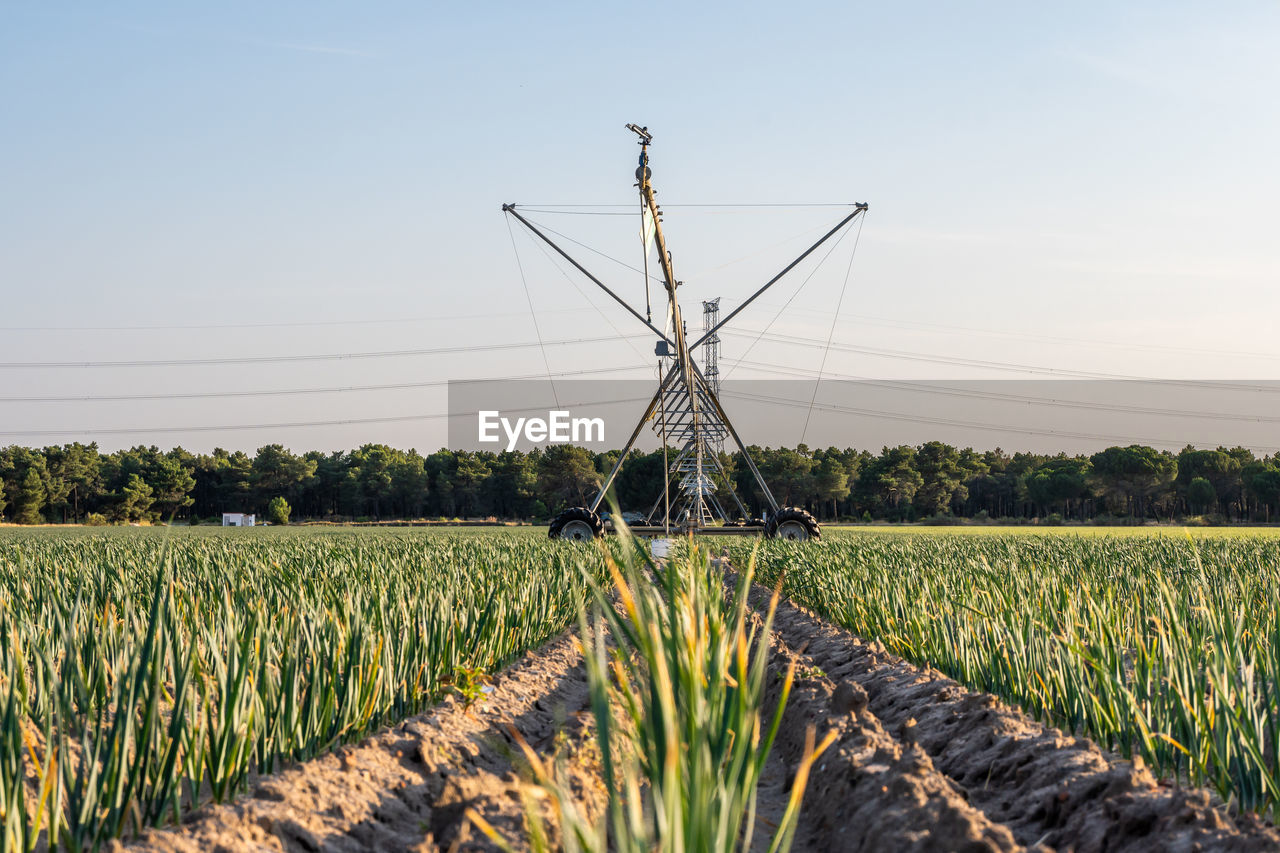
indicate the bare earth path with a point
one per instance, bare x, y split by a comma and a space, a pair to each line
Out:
920, 764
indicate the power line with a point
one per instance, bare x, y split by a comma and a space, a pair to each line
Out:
295, 324
910, 386
893, 323
444, 318
1001, 365
36, 433
901, 416
277, 359
781, 401
922, 387
286, 392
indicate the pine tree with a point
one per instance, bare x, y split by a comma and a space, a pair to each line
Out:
137, 499
31, 498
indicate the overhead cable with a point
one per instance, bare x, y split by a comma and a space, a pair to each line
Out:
925, 387
32, 433
986, 427
288, 392
290, 324
878, 352
277, 359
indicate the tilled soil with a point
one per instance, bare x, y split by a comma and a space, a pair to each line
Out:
408, 787
919, 764
924, 764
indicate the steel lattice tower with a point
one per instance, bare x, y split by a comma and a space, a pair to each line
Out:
711, 353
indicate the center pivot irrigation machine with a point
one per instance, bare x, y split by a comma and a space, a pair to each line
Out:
685, 410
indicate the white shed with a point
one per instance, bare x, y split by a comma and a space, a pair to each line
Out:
237, 519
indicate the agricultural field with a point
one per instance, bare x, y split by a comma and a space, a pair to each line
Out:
142, 671
927, 688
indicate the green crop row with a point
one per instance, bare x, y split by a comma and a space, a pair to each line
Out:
1158, 646
677, 667
142, 673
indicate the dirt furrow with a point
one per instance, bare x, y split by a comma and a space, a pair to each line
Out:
870, 790
1045, 787
407, 788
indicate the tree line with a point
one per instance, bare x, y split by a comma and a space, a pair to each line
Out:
79, 483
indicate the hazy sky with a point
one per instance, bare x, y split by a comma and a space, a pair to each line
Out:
1089, 187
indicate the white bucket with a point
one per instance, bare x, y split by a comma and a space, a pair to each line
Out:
661, 548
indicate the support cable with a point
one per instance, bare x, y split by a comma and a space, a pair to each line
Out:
835, 318
644, 250
791, 298
688, 278
744, 205
533, 314
701, 274
666, 465
592, 249
586, 298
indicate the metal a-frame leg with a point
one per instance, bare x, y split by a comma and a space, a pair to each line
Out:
655, 506
746, 516
667, 483
635, 433
724, 418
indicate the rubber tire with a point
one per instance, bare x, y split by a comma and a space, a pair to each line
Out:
791, 513
576, 513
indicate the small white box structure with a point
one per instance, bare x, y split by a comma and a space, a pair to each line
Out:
236, 519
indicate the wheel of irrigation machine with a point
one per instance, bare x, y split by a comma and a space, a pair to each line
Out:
792, 524
577, 524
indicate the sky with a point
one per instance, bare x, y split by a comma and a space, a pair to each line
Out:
1085, 190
